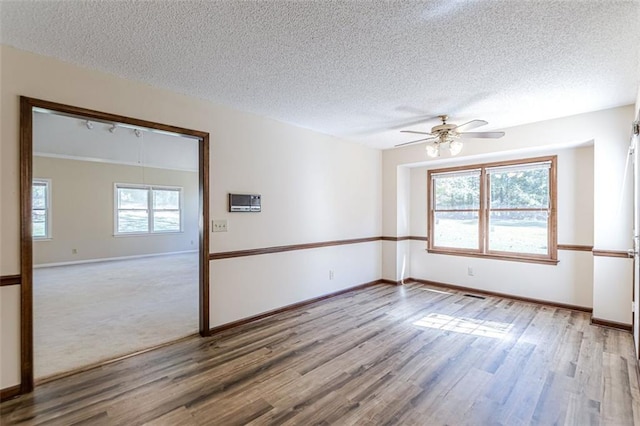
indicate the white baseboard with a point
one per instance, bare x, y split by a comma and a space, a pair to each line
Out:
108, 259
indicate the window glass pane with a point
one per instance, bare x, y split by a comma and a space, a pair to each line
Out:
132, 198
133, 221
166, 199
456, 230
518, 232
520, 188
457, 192
39, 219
39, 196
166, 221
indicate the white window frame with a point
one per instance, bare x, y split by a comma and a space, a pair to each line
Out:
150, 210
47, 209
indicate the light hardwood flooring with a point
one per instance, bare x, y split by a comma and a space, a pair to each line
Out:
411, 355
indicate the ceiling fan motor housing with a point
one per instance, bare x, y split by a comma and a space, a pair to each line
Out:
443, 128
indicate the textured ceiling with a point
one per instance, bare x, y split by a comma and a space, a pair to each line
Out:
355, 69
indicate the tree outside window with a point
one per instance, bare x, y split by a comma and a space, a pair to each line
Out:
41, 208
496, 210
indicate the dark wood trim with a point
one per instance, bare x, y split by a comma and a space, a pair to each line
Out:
611, 324
612, 253
552, 223
238, 323
204, 235
279, 249
110, 118
391, 282
574, 247
416, 238
10, 392
26, 254
542, 261
504, 295
26, 245
10, 280
484, 211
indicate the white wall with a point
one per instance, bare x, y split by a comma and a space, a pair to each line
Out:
610, 215
82, 211
314, 188
251, 293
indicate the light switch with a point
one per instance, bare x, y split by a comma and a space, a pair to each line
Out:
219, 225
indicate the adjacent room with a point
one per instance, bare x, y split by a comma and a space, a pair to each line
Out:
408, 212
115, 234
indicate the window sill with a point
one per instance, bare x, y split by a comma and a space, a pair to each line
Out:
35, 240
147, 234
495, 256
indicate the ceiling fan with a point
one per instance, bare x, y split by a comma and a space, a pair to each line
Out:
449, 134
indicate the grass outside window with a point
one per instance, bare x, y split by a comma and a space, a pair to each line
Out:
499, 210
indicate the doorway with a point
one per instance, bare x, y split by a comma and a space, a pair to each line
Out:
32, 212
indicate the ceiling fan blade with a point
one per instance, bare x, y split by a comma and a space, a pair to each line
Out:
417, 133
470, 125
393, 125
416, 141
483, 135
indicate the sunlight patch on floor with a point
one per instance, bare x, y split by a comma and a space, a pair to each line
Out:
476, 327
435, 291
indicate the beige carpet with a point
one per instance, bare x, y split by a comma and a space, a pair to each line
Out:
93, 312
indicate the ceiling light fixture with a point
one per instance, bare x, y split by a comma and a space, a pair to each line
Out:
449, 134
454, 145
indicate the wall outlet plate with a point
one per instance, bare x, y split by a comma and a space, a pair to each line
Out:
219, 225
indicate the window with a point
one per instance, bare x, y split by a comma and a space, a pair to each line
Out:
142, 209
500, 210
41, 208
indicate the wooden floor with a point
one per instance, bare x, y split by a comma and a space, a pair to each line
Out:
411, 355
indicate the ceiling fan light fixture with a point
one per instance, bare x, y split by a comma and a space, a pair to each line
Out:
433, 150
447, 133
455, 146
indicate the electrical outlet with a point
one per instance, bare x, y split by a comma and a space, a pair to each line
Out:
219, 225
330, 274
469, 271
74, 251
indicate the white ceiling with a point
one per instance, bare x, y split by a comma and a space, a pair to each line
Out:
356, 69
61, 136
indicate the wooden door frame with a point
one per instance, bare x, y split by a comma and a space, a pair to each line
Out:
635, 143
26, 243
